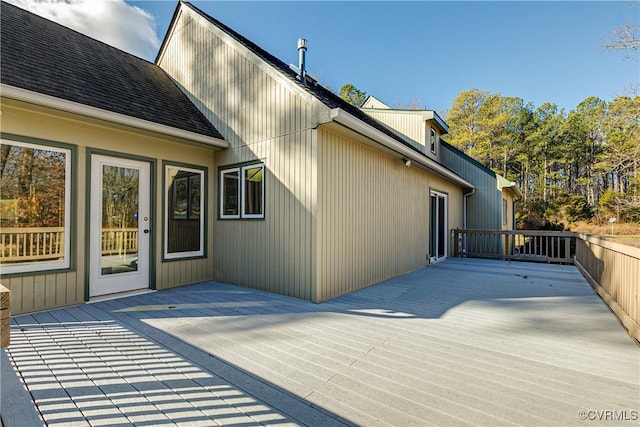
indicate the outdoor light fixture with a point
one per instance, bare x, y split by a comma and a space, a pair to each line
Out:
406, 162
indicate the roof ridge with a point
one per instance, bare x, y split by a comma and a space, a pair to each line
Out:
324, 95
461, 153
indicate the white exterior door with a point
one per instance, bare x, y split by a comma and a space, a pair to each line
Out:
438, 229
119, 226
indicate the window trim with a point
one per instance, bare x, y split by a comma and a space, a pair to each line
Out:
222, 173
240, 169
202, 253
43, 267
242, 192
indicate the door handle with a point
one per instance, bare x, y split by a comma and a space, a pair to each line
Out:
146, 231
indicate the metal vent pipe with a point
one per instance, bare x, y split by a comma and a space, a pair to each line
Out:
302, 49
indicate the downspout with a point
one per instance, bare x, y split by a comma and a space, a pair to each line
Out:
464, 218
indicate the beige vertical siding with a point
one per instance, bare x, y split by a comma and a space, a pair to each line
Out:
265, 119
44, 291
411, 126
373, 215
508, 196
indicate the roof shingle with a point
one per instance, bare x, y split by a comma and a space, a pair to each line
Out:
44, 57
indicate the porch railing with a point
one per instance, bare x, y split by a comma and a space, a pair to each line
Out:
119, 241
521, 245
612, 267
44, 243
31, 244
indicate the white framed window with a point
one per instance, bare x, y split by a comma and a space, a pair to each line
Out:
433, 140
242, 192
35, 207
184, 219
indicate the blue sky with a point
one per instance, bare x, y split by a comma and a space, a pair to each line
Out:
431, 51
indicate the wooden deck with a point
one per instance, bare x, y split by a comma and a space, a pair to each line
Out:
463, 342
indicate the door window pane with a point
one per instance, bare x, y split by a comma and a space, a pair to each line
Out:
120, 197
442, 232
438, 228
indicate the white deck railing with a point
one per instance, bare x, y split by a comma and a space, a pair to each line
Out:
31, 244
45, 243
517, 245
119, 241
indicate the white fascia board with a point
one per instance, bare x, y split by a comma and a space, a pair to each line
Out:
432, 115
340, 116
503, 183
425, 114
514, 189
98, 113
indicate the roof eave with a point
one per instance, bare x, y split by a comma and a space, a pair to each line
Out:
514, 189
438, 120
31, 97
342, 117
503, 183
428, 115
165, 40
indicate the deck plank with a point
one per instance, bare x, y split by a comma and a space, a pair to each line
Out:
463, 342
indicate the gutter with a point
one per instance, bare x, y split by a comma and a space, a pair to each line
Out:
514, 189
342, 117
503, 183
31, 97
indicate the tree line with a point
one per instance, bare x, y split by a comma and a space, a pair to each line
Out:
580, 165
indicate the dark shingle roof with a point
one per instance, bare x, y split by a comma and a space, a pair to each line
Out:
467, 157
327, 97
44, 57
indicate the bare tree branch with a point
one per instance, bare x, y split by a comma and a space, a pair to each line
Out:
626, 38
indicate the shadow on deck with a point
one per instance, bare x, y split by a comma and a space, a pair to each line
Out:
463, 342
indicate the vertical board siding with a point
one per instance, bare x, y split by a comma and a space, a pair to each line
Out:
411, 126
42, 291
484, 208
185, 272
265, 120
46, 290
373, 215
508, 196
